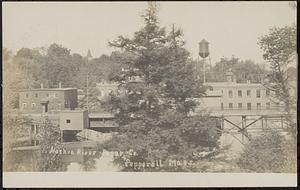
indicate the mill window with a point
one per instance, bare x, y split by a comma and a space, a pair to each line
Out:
257, 93
240, 105
249, 106
230, 93
268, 105
239, 93
258, 106
248, 93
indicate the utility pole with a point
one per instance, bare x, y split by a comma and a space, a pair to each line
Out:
204, 80
198, 67
87, 91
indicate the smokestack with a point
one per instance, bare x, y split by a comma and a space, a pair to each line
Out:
59, 85
42, 85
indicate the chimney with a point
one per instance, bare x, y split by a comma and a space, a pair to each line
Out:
59, 85
229, 76
42, 85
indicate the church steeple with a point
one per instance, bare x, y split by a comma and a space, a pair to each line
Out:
89, 55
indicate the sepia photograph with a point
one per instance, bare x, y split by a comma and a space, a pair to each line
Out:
150, 88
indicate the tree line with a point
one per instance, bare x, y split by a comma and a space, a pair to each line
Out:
154, 114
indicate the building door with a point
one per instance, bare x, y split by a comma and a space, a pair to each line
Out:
45, 108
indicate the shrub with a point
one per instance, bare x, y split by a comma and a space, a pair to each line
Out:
267, 153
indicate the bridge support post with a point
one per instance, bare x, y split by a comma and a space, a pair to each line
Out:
35, 133
243, 127
222, 123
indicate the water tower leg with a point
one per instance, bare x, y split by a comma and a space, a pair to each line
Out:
222, 123
204, 78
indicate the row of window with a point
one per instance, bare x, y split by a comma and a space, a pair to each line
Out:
33, 105
248, 93
24, 105
240, 106
36, 95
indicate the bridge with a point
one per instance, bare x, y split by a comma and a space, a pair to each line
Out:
244, 121
237, 121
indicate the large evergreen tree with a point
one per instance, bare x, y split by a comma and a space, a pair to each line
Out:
154, 114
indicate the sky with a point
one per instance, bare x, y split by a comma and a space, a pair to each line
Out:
231, 28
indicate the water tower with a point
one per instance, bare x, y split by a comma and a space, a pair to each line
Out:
204, 53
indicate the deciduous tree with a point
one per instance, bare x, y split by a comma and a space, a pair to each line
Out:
58, 65
279, 48
49, 136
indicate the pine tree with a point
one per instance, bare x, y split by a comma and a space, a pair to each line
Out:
154, 114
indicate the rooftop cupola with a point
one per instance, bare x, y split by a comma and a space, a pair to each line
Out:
229, 76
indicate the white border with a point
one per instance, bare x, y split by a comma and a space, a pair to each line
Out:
146, 179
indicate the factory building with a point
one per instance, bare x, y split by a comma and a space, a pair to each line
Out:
105, 88
230, 97
47, 100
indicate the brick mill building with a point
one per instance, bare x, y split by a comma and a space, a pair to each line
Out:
47, 100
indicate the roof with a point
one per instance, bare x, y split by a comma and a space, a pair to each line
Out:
214, 93
109, 84
101, 115
40, 115
73, 111
232, 84
46, 100
47, 89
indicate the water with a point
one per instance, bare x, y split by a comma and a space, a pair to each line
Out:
83, 158
103, 163
75, 156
